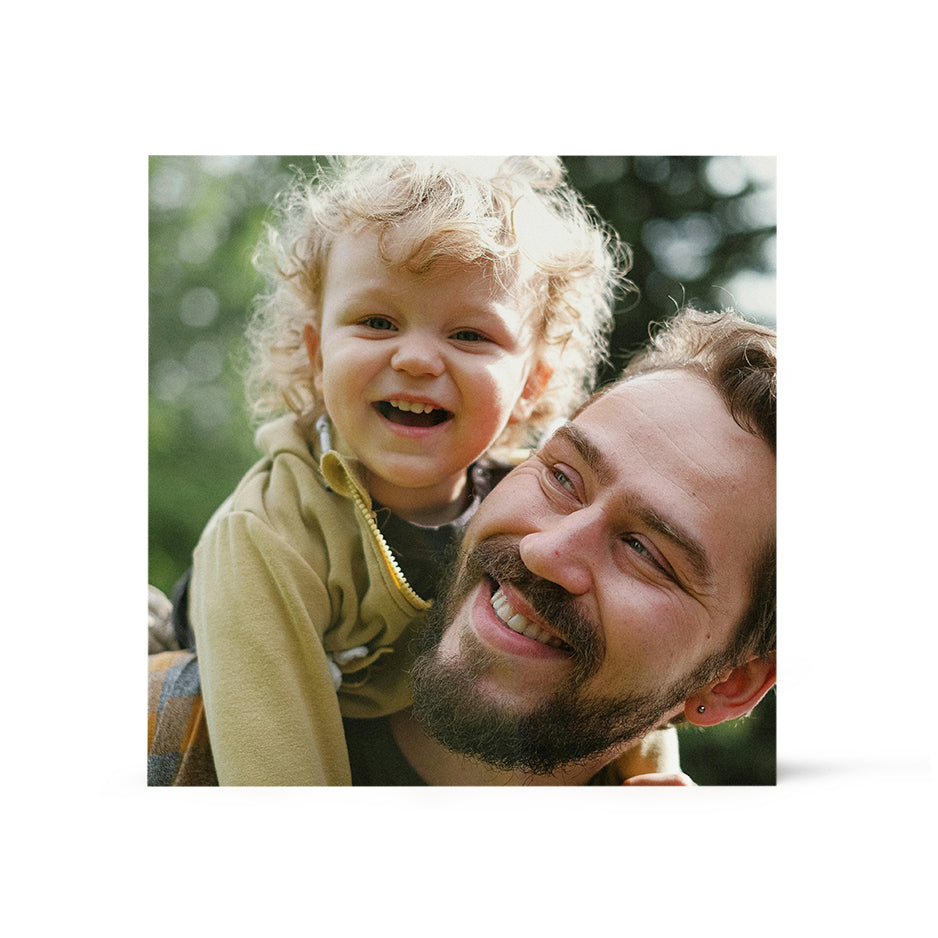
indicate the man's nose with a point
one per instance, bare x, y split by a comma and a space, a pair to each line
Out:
418, 355
564, 550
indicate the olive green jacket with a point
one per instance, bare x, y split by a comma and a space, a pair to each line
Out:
289, 573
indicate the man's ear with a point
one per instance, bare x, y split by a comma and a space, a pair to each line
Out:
314, 353
734, 693
540, 375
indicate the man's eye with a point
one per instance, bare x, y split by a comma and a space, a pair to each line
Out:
643, 551
638, 546
562, 479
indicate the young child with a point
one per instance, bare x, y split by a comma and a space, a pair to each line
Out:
427, 320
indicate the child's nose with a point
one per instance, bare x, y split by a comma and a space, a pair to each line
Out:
418, 356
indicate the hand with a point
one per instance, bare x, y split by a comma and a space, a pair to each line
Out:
661, 778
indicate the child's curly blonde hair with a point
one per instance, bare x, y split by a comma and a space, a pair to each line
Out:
518, 216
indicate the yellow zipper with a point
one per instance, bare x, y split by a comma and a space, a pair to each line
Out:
393, 566
324, 428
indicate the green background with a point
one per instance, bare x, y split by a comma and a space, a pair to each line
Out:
701, 228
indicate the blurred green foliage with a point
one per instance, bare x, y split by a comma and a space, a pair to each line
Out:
701, 228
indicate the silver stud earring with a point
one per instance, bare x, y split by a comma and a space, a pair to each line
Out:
701, 708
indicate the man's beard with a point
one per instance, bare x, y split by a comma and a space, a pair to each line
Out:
569, 726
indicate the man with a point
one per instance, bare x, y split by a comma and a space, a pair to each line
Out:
621, 578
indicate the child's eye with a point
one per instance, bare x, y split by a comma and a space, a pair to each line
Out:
468, 335
378, 322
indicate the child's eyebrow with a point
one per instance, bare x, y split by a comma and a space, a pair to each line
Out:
365, 294
601, 466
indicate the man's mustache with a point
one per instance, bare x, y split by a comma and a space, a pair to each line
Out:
499, 558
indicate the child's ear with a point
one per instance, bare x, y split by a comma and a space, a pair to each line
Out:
313, 352
734, 693
540, 375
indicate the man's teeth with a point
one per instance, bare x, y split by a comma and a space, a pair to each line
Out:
518, 623
413, 408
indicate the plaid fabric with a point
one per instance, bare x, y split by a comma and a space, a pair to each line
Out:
178, 750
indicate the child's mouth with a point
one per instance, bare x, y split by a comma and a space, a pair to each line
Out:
409, 414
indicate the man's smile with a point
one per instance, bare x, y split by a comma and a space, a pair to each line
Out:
523, 626
525, 615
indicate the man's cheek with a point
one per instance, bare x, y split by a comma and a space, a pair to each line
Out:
513, 506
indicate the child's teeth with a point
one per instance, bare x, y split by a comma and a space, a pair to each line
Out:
412, 408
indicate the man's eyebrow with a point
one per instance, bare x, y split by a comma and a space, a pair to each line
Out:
587, 450
601, 466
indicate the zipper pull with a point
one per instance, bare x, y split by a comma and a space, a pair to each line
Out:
324, 429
